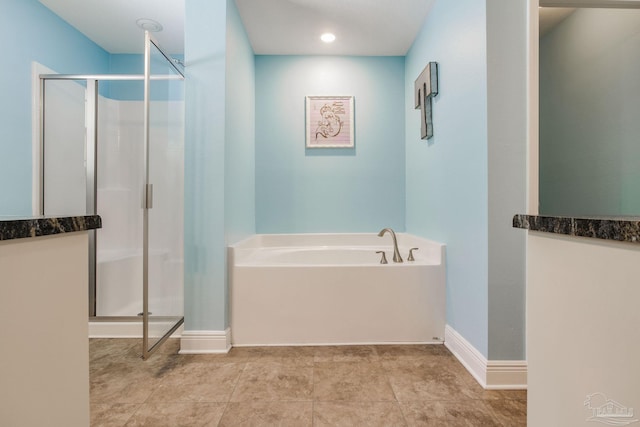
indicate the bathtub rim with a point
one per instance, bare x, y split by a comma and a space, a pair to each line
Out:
240, 244
436, 250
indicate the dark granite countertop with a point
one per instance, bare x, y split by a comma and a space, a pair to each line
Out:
623, 229
21, 228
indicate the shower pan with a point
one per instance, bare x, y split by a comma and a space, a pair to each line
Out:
113, 145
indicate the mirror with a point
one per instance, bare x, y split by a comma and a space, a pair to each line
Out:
589, 111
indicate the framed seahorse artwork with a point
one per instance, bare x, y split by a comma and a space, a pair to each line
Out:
330, 122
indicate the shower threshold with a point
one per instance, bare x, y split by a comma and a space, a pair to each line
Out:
129, 326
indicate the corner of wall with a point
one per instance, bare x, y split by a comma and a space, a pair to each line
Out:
205, 342
490, 374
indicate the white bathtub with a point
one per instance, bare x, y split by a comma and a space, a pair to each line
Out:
328, 289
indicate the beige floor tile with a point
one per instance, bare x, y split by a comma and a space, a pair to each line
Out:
417, 380
231, 356
218, 372
347, 353
120, 382
474, 390
177, 415
352, 414
269, 381
257, 414
351, 381
299, 356
510, 412
514, 394
471, 413
199, 382
452, 413
397, 352
420, 385
157, 365
111, 415
110, 349
427, 414
170, 346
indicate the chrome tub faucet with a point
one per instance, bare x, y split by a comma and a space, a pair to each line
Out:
396, 252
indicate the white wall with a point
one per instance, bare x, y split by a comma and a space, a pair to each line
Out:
44, 333
582, 326
65, 188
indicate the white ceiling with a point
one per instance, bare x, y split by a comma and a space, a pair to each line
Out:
362, 27
275, 27
112, 23
550, 17
281, 27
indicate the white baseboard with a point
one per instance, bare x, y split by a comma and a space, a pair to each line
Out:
490, 374
332, 344
121, 330
205, 342
506, 375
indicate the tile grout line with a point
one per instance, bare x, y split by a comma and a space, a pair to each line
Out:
395, 396
132, 414
235, 386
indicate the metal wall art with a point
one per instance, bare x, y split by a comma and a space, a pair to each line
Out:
425, 88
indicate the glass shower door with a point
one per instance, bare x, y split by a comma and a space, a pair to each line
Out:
104, 151
163, 263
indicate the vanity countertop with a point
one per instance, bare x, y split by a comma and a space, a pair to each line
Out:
21, 228
619, 228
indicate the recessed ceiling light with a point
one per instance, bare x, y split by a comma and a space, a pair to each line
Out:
149, 25
327, 37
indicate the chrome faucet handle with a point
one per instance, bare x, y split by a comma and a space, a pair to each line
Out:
411, 258
383, 260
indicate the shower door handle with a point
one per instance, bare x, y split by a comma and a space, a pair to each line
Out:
148, 196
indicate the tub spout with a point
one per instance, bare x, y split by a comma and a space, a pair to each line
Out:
396, 252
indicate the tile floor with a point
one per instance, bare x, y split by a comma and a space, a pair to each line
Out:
292, 386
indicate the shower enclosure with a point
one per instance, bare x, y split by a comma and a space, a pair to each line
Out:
113, 145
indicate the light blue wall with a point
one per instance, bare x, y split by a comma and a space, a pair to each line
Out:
240, 195
329, 190
205, 251
126, 64
240, 179
589, 121
447, 176
31, 32
134, 90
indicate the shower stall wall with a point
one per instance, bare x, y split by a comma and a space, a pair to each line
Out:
119, 182
122, 159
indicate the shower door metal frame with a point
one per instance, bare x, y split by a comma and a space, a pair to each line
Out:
91, 113
148, 198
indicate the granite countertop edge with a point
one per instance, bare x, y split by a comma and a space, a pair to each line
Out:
23, 228
622, 229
